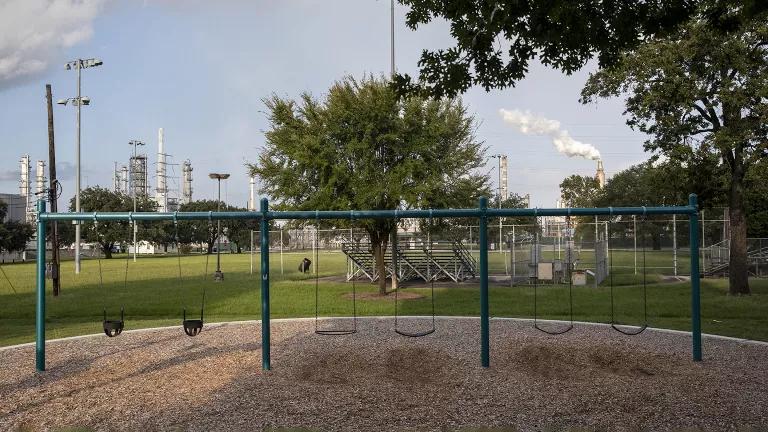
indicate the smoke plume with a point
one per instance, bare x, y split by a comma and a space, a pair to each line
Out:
531, 124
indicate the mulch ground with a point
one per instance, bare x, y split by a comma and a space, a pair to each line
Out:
591, 378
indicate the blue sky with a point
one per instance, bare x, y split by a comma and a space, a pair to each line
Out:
201, 69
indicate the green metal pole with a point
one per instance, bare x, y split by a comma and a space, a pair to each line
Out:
695, 279
484, 315
265, 334
40, 308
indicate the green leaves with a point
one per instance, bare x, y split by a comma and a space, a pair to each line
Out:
362, 147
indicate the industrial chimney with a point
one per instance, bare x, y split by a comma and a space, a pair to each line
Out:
161, 193
600, 175
24, 188
186, 182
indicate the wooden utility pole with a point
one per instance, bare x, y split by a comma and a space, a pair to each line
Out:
53, 184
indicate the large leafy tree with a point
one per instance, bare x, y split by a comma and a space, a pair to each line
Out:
495, 41
363, 147
700, 92
199, 231
108, 233
579, 191
13, 235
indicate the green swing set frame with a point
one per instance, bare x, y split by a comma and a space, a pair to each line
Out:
482, 213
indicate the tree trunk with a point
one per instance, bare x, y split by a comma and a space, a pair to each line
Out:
107, 248
210, 248
738, 268
379, 246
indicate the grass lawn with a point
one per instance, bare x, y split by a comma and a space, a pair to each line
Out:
154, 296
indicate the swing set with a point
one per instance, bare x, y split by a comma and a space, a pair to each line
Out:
114, 327
192, 327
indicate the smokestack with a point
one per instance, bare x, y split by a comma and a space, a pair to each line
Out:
24, 187
504, 178
124, 178
40, 179
252, 194
186, 182
600, 175
161, 195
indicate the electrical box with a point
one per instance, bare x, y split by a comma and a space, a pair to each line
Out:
579, 277
545, 271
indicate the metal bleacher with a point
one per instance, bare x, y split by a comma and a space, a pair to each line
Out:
443, 261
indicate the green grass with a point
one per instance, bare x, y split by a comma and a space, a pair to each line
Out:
154, 296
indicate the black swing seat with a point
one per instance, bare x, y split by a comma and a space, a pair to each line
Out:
553, 332
192, 327
626, 331
335, 332
415, 335
113, 328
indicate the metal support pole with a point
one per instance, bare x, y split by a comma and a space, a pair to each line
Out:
674, 242
40, 307
265, 334
695, 281
485, 341
251, 251
281, 251
703, 239
77, 173
634, 235
512, 264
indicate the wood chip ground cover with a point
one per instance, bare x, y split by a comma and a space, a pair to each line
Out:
591, 378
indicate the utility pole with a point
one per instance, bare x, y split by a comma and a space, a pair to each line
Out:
52, 194
392, 34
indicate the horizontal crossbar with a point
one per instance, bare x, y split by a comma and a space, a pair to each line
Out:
368, 214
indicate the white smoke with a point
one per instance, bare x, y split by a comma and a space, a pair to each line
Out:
531, 124
33, 33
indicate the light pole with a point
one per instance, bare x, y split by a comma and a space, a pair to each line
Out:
78, 101
498, 189
132, 185
218, 276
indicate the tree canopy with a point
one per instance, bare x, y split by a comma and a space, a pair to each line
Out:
495, 41
700, 93
108, 233
363, 147
13, 235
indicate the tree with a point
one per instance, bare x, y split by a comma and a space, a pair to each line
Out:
108, 233
700, 91
496, 40
363, 147
13, 235
579, 191
755, 202
239, 230
199, 231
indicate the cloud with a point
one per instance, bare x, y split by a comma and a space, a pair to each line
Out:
33, 33
531, 124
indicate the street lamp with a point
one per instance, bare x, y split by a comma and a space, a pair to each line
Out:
499, 157
135, 144
78, 101
218, 276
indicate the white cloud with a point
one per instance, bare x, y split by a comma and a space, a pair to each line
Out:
34, 32
531, 124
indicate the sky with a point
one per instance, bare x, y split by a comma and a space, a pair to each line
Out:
201, 70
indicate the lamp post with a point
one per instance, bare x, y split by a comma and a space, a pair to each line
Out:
498, 189
218, 276
78, 101
135, 144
